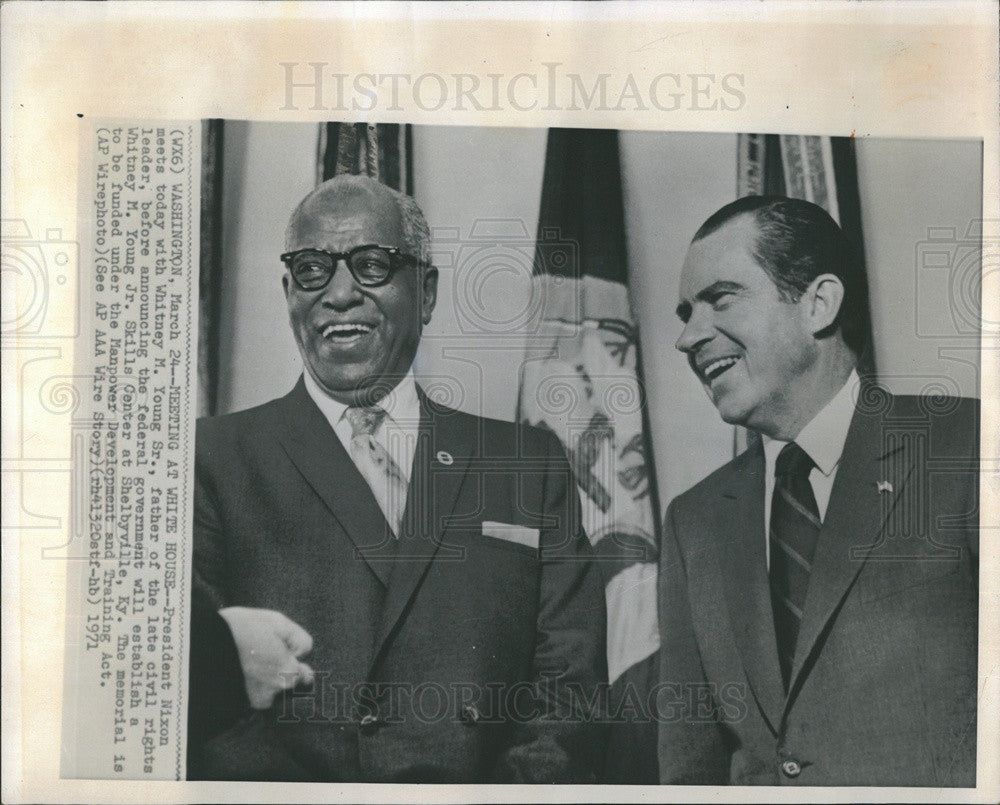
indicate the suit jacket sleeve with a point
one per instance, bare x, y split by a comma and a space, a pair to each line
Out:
218, 696
972, 422
218, 692
692, 751
562, 738
209, 539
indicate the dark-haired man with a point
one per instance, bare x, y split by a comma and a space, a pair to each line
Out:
407, 588
818, 597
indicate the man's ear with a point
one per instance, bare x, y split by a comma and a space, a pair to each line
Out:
824, 297
428, 295
284, 283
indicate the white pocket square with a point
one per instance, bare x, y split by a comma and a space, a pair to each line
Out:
521, 534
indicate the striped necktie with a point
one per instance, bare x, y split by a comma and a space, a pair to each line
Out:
795, 526
386, 480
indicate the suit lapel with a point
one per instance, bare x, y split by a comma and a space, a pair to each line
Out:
444, 448
854, 521
740, 543
319, 456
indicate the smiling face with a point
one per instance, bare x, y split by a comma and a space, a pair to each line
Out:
351, 336
750, 348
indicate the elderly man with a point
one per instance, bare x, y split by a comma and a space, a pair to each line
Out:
408, 590
818, 595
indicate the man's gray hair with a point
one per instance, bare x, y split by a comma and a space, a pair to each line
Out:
416, 233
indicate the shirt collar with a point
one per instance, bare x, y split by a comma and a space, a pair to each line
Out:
824, 436
401, 404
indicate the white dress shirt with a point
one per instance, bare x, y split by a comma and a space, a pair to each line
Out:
823, 440
398, 431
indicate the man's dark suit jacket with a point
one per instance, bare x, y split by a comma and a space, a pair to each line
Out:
442, 656
883, 688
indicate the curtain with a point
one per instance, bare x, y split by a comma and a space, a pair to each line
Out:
210, 267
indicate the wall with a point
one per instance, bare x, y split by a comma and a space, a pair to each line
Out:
269, 167
924, 263
480, 190
673, 182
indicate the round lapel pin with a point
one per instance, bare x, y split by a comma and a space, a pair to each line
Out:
445, 458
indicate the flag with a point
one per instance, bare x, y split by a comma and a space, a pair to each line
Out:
382, 151
581, 380
822, 170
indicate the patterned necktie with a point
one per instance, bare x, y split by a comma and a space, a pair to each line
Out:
795, 526
383, 475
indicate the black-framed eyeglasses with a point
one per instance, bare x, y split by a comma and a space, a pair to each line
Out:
370, 265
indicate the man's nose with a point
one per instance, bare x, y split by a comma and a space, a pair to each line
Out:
342, 290
697, 330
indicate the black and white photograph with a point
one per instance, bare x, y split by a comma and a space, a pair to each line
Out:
428, 499
465, 402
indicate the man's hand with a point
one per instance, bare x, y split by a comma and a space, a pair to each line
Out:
270, 646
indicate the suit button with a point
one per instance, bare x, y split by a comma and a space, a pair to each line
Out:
470, 715
791, 768
368, 723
